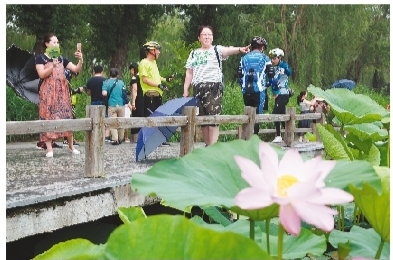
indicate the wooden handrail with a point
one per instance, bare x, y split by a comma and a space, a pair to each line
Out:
95, 124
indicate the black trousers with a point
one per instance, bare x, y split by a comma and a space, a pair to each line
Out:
280, 103
151, 103
257, 100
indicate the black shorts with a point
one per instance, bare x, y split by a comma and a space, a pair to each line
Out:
209, 95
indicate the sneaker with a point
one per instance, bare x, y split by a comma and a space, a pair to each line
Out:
108, 139
116, 143
165, 144
127, 140
49, 154
41, 146
75, 151
55, 145
278, 139
65, 143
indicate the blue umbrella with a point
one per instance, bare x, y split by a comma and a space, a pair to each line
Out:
344, 83
149, 138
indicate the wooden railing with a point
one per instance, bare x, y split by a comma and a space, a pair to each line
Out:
95, 124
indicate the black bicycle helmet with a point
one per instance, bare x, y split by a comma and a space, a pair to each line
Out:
258, 41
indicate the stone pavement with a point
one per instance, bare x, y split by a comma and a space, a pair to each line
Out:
33, 178
45, 194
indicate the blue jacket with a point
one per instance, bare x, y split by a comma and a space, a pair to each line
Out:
252, 72
280, 82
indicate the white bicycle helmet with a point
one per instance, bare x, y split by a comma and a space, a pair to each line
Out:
277, 52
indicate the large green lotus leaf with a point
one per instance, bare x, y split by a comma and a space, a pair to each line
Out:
176, 237
384, 173
348, 107
186, 181
216, 215
376, 208
374, 156
311, 137
386, 121
383, 148
333, 143
74, 249
355, 142
363, 242
130, 214
294, 247
205, 177
368, 131
355, 173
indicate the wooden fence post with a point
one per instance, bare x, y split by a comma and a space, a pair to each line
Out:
248, 129
290, 126
239, 132
321, 121
198, 134
94, 144
187, 133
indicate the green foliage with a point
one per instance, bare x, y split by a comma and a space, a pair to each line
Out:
363, 242
361, 118
185, 182
375, 207
19, 109
148, 238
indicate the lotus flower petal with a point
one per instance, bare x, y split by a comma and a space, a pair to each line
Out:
252, 198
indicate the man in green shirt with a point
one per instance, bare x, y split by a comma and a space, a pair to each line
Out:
151, 79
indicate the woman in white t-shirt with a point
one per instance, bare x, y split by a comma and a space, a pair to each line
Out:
203, 72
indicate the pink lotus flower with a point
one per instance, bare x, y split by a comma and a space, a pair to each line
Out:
298, 187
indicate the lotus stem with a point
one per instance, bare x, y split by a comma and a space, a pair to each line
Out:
388, 152
252, 229
342, 217
280, 241
378, 255
355, 215
267, 223
338, 218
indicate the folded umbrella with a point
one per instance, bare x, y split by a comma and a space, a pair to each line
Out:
344, 83
21, 74
149, 138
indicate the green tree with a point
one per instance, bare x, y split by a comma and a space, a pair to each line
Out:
66, 21
118, 28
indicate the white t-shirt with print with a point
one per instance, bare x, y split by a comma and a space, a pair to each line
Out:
205, 65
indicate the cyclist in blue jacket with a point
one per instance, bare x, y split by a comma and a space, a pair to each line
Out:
279, 87
252, 76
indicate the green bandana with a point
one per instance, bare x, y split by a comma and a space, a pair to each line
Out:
53, 52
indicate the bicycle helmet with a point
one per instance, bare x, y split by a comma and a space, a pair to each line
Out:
151, 45
277, 52
257, 41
